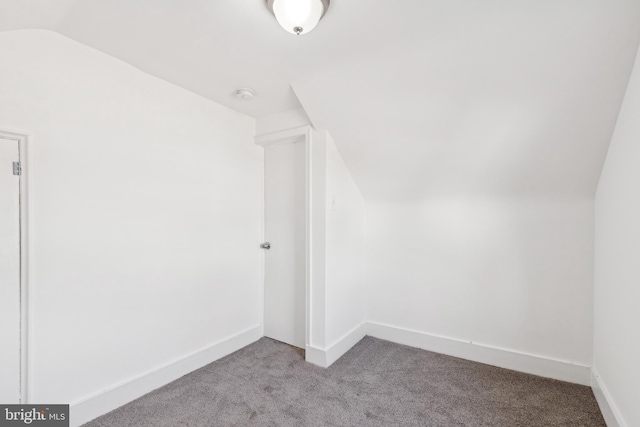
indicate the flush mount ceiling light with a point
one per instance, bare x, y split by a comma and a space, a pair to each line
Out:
298, 16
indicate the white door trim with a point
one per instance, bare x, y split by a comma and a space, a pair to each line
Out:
299, 134
23, 139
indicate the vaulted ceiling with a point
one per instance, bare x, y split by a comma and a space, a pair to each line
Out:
212, 47
423, 97
489, 97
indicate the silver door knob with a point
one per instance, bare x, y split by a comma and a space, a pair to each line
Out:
265, 245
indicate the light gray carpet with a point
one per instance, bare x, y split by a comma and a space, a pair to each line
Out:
377, 383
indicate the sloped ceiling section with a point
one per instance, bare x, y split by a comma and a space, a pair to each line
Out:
212, 47
422, 97
489, 97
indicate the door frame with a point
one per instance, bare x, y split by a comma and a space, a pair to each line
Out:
23, 139
289, 136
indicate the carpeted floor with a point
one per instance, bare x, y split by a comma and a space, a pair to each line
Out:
377, 383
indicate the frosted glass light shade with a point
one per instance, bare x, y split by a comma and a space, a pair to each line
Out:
298, 16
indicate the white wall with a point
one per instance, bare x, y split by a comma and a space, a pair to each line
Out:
617, 270
337, 303
145, 215
345, 249
318, 227
509, 273
279, 122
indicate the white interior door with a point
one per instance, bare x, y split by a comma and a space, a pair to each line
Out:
9, 273
284, 287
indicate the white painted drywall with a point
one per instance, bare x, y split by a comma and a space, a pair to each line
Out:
279, 122
337, 304
509, 273
145, 215
477, 145
460, 49
345, 249
509, 98
318, 226
617, 267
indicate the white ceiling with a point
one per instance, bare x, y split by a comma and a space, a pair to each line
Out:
488, 97
423, 97
212, 47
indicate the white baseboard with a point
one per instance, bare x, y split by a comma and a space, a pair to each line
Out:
100, 403
344, 343
503, 358
326, 357
609, 410
315, 355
